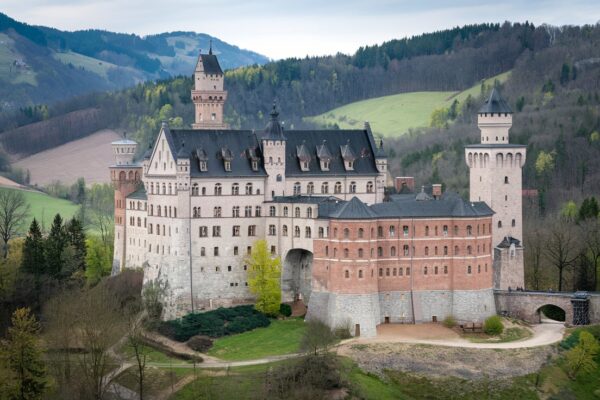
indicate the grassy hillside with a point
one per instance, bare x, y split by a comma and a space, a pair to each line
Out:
8, 71
44, 208
394, 115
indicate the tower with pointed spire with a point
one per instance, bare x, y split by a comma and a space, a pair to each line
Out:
208, 94
273, 143
495, 167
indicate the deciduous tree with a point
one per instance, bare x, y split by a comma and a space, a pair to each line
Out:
13, 211
264, 276
581, 357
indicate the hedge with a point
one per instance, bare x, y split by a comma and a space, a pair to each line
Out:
216, 323
493, 325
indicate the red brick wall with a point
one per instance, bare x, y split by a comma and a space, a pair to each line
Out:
336, 271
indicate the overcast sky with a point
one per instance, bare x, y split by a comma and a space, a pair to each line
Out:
287, 28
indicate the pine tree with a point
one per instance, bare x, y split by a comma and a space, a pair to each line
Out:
76, 238
25, 357
33, 250
55, 244
264, 278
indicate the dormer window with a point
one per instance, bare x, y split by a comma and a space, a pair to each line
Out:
254, 165
348, 156
203, 166
305, 166
227, 165
349, 165
325, 165
303, 157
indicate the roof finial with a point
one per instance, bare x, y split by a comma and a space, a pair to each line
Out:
274, 113
210, 47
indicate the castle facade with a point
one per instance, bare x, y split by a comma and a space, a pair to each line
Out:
189, 212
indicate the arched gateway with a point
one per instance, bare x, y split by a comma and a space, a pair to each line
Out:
296, 276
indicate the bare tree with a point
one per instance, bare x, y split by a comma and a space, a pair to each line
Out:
534, 251
13, 211
562, 248
137, 343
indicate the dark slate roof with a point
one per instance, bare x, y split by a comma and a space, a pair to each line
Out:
406, 206
507, 241
495, 104
303, 153
273, 130
148, 152
139, 194
183, 152
323, 151
360, 142
353, 209
210, 64
217, 145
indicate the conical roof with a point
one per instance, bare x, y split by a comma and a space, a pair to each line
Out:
495, 104
274, 130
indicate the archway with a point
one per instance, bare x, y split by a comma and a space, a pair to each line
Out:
551, 312
296, 276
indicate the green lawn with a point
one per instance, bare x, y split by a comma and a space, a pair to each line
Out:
154, 356
281, 337
44, 208
394, 115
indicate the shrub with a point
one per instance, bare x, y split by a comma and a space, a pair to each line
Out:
216, 323
493, 325
285, 310
200, 343
449, 322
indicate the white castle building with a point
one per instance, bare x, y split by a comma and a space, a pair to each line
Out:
189, 212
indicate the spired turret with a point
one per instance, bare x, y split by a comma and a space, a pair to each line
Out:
496, 170
273, 143
208, 94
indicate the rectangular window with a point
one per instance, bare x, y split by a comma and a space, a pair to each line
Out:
252, 230
273, 250
249, 250
236, 230
272, 230
216, 251
203, 231
216, 231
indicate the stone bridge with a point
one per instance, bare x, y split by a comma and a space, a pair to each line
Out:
580, 307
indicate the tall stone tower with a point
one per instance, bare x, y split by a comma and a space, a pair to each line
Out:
208, 94
126, 178
496, 178
273, 148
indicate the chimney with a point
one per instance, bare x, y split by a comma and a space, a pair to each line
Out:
404, 184
436, 190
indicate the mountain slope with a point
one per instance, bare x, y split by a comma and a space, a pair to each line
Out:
394, 115
41, 65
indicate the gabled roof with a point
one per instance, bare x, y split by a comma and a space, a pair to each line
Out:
347, 152
495, 104
302, 152
210, 64
323, 151
209, 145
353, 209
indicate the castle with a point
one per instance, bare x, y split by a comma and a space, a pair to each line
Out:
190, 210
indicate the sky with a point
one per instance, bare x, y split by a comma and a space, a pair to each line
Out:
295, 28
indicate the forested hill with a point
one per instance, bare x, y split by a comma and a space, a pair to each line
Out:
40, 65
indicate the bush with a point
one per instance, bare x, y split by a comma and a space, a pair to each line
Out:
200, 343
449, 322
216, 323
493, 325
571, 341
285, 310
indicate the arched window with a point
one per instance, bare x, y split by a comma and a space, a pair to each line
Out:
248, 188
361, 233
426, 250
164, 189
380, 231
307, 232
321, 232
337, 188
380, 252
392, 231
360, 273
325, 188
469, 250
455, 250
393, 251
195, 189
297, 188
158, 212
346, 233
499, 224
346, 253
468, 269
352, 188
310, 188
445, 250
435, 270
369, 187
347, 274
285, 211
506, 179
203, 191
139, 221
272, 211
479, 269
513, 223
218, 189
170, 189
426, 230
360, 253
297, 231
217, 212
469, 230
235, 189
284, 231
424, 270
297, 212
309, 212
445, 230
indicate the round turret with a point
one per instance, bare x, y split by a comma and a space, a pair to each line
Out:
124, 151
